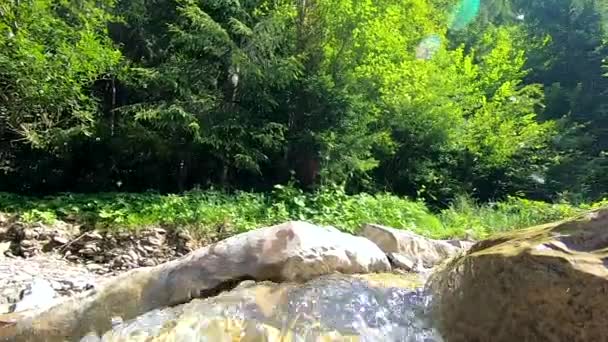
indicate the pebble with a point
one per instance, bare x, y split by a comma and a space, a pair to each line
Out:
133, 255
61, 240
87, 251
147, 263
154, 241
94, 236
99, 258
29, 234
27, 243
95, 267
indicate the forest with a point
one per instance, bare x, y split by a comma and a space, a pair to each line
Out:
429, 99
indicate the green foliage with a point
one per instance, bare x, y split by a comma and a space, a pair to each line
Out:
173, 95
209, 212
50, 53
465, 122
514, 213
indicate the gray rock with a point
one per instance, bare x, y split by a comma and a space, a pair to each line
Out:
27, 243
461, 244
150, 249
133, 255
154, 241
293, 251
61, 240
141, 250
402, 262
390, 240
94, 236
99, 258
29, 234
95, 267
147, 263
86, 251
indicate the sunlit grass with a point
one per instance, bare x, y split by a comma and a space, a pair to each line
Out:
202, 212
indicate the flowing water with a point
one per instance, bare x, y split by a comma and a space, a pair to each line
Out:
364, 308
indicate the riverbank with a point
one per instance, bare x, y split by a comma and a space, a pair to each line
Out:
73, 240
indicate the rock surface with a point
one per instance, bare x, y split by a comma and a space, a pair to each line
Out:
405, 245
294, 251
18, 274
546, 283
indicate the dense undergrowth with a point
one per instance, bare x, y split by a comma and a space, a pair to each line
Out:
206, 211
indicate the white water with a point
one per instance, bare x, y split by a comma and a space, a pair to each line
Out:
332, 303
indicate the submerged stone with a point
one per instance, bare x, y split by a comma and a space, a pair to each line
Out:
383, 307
546, 283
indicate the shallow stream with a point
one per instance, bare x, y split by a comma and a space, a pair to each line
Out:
330, 308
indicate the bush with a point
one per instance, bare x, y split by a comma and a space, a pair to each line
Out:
464, 215
238, 212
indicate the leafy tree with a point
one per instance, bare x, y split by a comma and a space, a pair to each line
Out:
465, 123
51, 52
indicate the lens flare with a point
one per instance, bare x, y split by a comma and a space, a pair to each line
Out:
464, 13
428, 47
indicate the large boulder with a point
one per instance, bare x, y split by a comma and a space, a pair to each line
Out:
407, 248
293, 251
546, 283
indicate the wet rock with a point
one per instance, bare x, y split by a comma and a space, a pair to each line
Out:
374, 307
429, 252
294, 251
546, 283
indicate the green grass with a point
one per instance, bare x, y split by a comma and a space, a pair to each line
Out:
202, 212
514, 213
